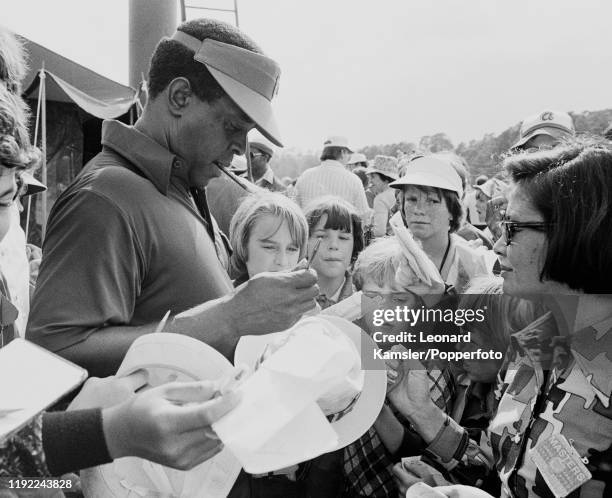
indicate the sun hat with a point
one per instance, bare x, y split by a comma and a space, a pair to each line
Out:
430, 172
492, 187
556, 124
250, 79
385, 165
165, 357
337, 141
354, 423
260, 145
357, 157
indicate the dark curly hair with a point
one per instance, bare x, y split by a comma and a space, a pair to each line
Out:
15, 148
13, 65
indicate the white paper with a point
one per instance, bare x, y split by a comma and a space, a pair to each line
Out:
349, 308
278, 422
31, 380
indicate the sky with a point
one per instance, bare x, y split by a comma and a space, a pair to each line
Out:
381, 71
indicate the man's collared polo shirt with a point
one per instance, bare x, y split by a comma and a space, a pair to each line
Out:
125, 243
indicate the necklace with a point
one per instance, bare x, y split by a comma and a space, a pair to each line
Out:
445, 254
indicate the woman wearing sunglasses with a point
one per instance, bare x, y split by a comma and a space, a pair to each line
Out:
557, 242
552, 433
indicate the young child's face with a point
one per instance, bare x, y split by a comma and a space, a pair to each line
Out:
334, 255
8, 191
270, 246
391, 297
425, 212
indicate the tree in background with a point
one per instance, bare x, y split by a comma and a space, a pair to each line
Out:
484, 156
435, 143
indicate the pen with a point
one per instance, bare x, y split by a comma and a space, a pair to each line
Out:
162, 324
314, 253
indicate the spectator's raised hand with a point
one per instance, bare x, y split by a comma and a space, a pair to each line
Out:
408, 385
168, 424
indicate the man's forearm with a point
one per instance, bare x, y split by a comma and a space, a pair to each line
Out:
211, 322
103, 351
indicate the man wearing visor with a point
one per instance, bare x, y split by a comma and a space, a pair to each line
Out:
132, 237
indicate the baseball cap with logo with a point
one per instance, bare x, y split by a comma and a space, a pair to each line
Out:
556, 124
249, 79
384, 165
337, 141
430, 172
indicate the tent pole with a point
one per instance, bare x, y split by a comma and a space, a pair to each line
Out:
43, 131
247, 153
27, 227
28, 211
37, 115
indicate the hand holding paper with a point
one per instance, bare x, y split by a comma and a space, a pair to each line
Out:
416, 273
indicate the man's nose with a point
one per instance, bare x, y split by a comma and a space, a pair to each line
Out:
500, 245
239, 145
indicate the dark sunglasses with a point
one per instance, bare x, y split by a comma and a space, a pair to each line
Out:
511, 227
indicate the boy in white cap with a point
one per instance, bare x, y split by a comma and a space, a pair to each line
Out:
332, 178
430, 200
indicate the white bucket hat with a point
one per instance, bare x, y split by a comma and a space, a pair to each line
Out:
250, 79
385, 165
166, 357
357, 157
354, 423
430, 172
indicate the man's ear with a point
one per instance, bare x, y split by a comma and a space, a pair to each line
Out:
179, 95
